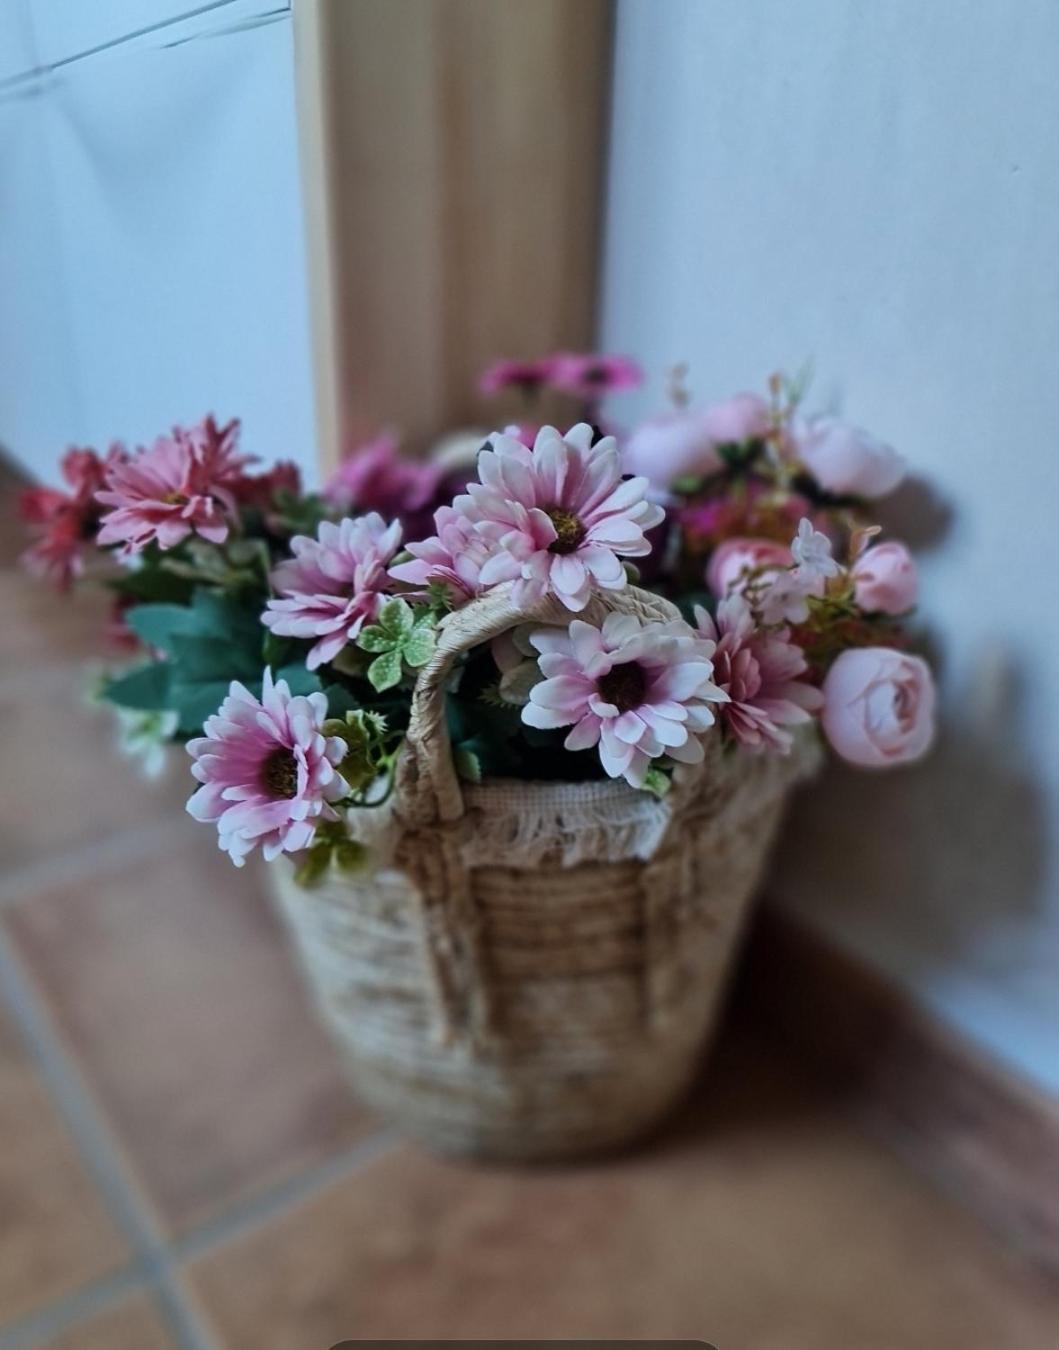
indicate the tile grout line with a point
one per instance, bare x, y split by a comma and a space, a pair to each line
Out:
99, 1152
240, 1220
68, 1310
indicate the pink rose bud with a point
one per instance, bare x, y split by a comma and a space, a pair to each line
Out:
885, 580
665, 449
879, 707
741, 418
846, 460
684, 444
732, 560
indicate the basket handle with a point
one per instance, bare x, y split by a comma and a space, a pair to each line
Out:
430, 787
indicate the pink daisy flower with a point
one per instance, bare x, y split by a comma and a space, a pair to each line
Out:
377, 477
334, 584
589, 375
267, 770
759, 672
636, 690
526, 376
560, 515
182, 485
64, 522
453, 557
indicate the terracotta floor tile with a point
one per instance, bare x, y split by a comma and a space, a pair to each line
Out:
762, 1222
64, 785
55, 1234
176, 990
130, 1326
43, 628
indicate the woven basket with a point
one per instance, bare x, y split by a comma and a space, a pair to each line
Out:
533, 968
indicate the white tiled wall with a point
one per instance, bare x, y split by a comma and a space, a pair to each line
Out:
151, 249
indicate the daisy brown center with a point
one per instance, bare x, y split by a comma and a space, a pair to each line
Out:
624, 685
279, 773
569, 532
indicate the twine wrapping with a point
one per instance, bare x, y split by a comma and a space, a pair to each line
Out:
531, 969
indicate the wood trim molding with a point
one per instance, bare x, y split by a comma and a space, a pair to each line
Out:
954, 1113
453, 164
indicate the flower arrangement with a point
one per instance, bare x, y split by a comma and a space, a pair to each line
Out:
279, 632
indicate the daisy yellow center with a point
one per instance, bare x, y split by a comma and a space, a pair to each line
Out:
174, 499
569, 532
623, 685
279, 773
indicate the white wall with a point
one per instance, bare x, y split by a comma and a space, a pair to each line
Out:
876, 186
151, 254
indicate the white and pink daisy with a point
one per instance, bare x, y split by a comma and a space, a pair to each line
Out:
759, 671
334, 584
452, 558
636, 690
181, 486
268, 772
560, 515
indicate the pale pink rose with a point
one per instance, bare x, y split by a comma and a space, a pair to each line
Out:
685, 444
736, 420
885, 579
847, 460
879, 707
665, 449
732, 562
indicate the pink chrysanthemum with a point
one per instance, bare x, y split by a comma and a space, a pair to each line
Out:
759, 672
267, 770
590, 375
452, 558
637, 690
527, 376
64, 522
182, 485
560, 515
334, 584
377, 477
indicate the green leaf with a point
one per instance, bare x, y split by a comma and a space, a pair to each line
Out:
153, 585
385, 671
467, 764
376, 639
299, 680
195, 701
419, 645
657, 782
156, 624
396, 617
208, 658
146, 688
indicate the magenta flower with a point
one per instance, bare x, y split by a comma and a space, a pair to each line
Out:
526, 376
334, 584
560, 515
452, 558
267, 770
182, 485
377, 477
589, 375
759, 672
637, 690
65, 522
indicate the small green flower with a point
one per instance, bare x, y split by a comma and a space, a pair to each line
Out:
402, 637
